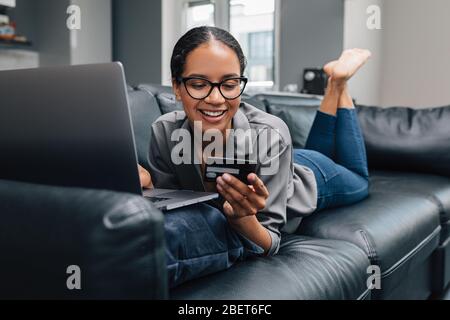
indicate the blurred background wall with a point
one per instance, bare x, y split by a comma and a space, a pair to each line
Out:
409, 66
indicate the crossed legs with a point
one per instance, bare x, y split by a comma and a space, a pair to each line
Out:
335, 147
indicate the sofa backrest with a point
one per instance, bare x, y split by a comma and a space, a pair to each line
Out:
155, 89
406, 139
297, 111
144, 110
397, 138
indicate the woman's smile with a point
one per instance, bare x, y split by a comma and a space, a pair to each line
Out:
213, 115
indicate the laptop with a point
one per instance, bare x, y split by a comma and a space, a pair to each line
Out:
70, 126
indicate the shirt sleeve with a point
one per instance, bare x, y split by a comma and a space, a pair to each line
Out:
163, 175
276, 172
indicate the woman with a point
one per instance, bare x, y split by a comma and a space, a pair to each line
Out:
207, 68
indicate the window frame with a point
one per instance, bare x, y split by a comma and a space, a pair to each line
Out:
267, 85
222, 19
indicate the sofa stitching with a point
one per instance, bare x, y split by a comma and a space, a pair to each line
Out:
411, 253
364, 294
370, 248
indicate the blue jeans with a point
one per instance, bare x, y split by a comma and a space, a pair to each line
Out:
335, 152
199, 240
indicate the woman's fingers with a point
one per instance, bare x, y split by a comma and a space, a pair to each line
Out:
241, 190
145, 178
243, 194
228, 210
237, 200
258, 185
229, 180
232, 209
258, 192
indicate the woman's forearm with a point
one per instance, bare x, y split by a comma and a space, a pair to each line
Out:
252, 229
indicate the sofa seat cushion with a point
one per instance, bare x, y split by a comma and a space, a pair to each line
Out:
435, 188
398, 231
304, 268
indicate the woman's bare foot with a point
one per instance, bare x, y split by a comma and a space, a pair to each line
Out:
348, 63
329, 67
339, 71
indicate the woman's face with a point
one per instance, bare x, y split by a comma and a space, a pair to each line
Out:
213, 61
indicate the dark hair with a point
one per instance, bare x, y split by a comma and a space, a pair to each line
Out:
196, 37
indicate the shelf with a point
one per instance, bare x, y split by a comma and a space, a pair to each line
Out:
15, 42
4, 9
12, 44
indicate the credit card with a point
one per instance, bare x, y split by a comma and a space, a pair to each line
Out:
239, 168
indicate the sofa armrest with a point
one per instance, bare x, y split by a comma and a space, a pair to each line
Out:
116, 240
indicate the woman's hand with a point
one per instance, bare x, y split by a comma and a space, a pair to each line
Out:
145, 178
242, 200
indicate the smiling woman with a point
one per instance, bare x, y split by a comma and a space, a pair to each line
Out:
207, 77
212, 77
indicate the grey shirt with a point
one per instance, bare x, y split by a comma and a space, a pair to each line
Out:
292, 188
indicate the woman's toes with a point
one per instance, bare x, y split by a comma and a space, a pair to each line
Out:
349, 62
368, 54
328, 68
364, 53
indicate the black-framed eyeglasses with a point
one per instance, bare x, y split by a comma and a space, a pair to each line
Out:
200, 88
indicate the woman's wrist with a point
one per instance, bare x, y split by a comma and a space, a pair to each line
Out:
253, 230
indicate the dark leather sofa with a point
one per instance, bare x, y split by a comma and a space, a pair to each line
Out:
403, 227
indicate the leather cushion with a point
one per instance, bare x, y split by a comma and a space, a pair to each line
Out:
117, 240
144, 111
168, 103
396, 230
254, 101
296, 111
406, 139
304, 268
155, 89
298, 119
435, 188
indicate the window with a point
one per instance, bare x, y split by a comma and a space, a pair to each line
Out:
251, 22
199, 13
260, 56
